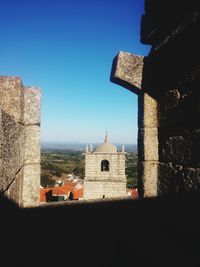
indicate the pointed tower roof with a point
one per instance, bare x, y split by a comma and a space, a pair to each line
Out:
106, 147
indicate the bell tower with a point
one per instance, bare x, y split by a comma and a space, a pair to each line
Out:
105, 172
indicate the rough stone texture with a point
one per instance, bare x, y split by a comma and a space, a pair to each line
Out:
191, 179
169, 99
171, 76
127, 71
180, 146
14, 191
180, 107
93, 166
31, 185
147, 111
12, 152
32, 144
32, 106
148, 144
147, 179
169, 181
110, 183
20, 143
12, 97
175, 43
98, 189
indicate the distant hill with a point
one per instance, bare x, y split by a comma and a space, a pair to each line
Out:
77, 146
63, 146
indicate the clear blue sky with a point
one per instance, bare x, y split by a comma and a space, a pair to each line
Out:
66, 48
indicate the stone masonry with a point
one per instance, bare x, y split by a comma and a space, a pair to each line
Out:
167, 84
108, 184
20, 141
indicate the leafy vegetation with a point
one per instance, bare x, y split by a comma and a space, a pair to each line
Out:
131, 170
58, 164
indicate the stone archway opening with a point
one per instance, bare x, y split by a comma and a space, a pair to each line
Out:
105, 165
20, 142
168, 143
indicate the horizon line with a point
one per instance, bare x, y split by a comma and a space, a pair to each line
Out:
83, 142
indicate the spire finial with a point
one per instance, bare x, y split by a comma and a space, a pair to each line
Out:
86, 149
123, 148
106, 137
91, 148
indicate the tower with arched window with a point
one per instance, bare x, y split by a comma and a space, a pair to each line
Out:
104, 172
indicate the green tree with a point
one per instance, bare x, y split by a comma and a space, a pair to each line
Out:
46, 180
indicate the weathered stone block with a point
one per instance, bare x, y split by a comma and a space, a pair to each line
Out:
14, 191
191, 179
176, 149
147, 111
180, 146
94, 190
11, 97
168, 180
1, 138
148, 178
168, 105
31, 186
179, 108
19, 145
195, 148
11, 152
127, 71
32, 105
175, 179
32, 144
148, 144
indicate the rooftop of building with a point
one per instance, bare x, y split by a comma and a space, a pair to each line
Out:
106, 147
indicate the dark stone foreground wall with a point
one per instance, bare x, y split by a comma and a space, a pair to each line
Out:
150, 232
171, 75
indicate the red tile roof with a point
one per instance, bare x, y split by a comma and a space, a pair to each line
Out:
62, 190
78, 193
134, 193
43, 192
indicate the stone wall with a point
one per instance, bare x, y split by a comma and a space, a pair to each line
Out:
171, 77
20, 141
116, 166
168, 97
108, 189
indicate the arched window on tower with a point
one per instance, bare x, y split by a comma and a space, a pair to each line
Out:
105, 165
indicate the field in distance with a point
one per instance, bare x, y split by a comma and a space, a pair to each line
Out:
60, 164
